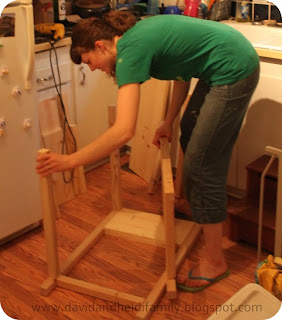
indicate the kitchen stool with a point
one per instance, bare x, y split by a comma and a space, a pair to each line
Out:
134, 225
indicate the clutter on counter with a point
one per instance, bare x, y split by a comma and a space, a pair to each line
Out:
58, 11
218, 10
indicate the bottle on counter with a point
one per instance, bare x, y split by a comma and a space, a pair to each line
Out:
153, 7
191, 8
245, 10
59, 11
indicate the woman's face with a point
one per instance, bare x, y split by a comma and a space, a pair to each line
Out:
101, 58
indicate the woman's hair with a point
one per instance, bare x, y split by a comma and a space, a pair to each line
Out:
106, 26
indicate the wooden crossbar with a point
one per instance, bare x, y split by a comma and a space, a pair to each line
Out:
131, 224
98, 291
85, 246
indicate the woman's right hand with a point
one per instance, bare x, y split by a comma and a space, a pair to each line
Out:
164, 130
48, 163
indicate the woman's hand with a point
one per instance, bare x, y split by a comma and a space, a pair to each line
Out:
164, 130
48, 163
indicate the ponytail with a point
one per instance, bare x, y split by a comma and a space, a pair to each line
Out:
107, 26
120, 21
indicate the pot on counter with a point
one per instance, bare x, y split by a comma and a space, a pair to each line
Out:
89, 8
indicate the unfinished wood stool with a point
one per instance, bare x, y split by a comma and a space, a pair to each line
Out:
133, 225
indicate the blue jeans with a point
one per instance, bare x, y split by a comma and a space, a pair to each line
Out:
209, 129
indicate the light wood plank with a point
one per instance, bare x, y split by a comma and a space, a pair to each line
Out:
52, 139
78, 182
115, 165
164, 147
168, 207
171, 291
98, 291
145, 227
178, 183
153, 298
156, 175
71, 135
49, 223
115, 188
47, 286
152, 109
187, 244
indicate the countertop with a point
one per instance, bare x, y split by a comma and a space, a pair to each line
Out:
266, 40
46, 45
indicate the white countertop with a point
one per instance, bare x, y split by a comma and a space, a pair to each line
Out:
266, 40
46, 45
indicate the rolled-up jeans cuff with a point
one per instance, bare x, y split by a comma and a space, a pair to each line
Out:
209, 216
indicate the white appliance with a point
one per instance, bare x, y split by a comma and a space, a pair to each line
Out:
19, 130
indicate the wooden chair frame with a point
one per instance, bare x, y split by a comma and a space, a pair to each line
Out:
130, 224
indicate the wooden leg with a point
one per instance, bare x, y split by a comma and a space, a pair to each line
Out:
156, 176
171, 291
179, 176
79, 182
47, 286
153, 299
49, 223
115, 166
168, 207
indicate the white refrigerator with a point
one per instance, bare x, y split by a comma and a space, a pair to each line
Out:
20, 207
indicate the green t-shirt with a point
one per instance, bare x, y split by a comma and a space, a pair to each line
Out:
176, 47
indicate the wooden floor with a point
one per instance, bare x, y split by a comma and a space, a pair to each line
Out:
126, 266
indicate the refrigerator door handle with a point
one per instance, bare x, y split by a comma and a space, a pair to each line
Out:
30, 47
82, 81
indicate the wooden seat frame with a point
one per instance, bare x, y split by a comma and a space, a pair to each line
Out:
164, 231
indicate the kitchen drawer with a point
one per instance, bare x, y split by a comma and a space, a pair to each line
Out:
42, 59
43, 70
45, 79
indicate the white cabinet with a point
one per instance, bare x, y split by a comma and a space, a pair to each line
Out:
61, 76
93, 93
262, 125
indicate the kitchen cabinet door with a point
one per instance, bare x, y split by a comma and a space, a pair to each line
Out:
93, 93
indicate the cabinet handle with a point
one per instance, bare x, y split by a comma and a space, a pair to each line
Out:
38, 80
82, 82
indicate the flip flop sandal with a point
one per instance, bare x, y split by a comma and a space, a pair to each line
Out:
212, 281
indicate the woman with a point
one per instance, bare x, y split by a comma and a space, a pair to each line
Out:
174, 47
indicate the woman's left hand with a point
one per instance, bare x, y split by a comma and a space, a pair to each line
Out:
48, 163
163, 131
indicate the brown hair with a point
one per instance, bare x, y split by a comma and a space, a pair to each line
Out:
107, 26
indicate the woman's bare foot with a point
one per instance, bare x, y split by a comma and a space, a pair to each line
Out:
204, 269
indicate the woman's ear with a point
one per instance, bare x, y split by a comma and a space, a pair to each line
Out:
99, 45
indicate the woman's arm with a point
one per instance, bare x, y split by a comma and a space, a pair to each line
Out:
115, 137
179, 94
